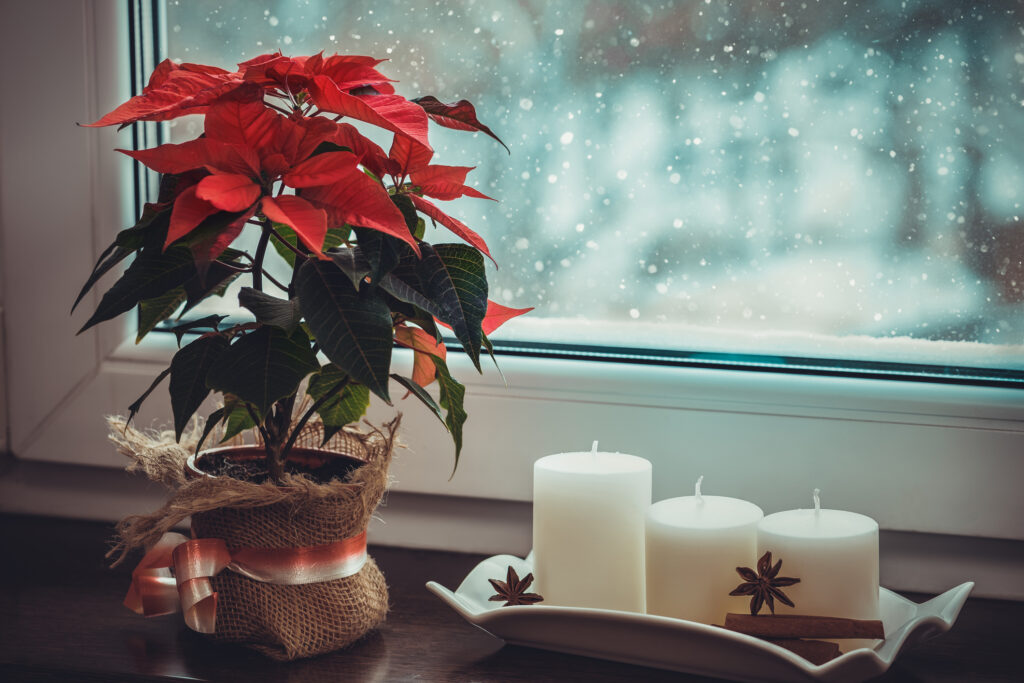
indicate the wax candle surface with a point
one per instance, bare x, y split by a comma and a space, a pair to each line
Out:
835, 556
694, 545
588, 529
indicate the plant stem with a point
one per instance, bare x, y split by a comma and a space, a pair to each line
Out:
259, 425
237, 269
288, 244
309, 413
261, 253
275, 282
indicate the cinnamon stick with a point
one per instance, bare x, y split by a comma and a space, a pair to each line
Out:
800, 626
814, 651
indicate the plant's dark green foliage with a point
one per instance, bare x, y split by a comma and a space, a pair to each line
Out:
152, 312
152, 224
452, 399
352, 263
453, 276
263, 366
341, 402
189, 369
134, 407
237, 418
421, 393
215, 418
270, 310
353, 328
149, 276
211, 321
380, 251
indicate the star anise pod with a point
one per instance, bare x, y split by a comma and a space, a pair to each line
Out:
764, 585
513, 589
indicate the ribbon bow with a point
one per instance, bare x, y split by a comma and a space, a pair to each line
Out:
175, 573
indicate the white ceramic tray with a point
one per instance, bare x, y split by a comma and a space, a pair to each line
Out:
679, 645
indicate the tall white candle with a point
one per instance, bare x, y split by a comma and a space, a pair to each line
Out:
833, 553
694, 545
588, 529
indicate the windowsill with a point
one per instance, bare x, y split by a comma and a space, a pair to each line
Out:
63, 593
765, 437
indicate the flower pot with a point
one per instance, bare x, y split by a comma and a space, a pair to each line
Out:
299, 620
313, 588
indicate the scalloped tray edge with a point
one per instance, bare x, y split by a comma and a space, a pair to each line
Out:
680, 645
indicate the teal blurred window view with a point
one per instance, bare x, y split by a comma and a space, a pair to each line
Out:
834, 182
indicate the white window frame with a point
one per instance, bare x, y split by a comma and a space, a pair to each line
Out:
917, 456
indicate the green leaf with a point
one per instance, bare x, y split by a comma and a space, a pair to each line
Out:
189, 369
283, 313
380, 251
126, 243
211, 321
238, 419
408, 209
421, 393
207, 240
335, 237
345, 407
417, 226
134, 407
214, 419
452, 396
352, 263
490, 350
152, 312
263, 366
403, 291
326, 378
453, 277
353, 328
151, 275
218, 278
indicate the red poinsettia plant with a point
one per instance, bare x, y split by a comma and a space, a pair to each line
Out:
276, 156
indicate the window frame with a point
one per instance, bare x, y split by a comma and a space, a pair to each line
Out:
767, 437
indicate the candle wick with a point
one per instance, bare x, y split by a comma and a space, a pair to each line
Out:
696, 489
817, 502
593, 449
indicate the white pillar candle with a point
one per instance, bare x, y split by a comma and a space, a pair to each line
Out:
694, 545
588, 529
833, 553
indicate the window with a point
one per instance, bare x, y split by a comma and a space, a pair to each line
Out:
710, 180
769, 437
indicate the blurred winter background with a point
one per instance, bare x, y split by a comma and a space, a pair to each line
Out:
797, 177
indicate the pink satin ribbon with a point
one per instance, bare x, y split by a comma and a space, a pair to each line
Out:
175, 573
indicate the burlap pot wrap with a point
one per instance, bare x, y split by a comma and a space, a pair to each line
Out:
282, 621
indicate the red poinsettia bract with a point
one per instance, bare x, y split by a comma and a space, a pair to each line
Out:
246, 149
251, 143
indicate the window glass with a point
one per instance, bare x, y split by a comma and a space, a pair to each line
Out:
818, 179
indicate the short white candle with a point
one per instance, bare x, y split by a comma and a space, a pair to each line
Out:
588, 529
694, 545
833, 553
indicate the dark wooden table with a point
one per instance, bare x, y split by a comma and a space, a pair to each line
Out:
61, 619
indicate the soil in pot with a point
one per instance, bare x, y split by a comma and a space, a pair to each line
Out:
249, 464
